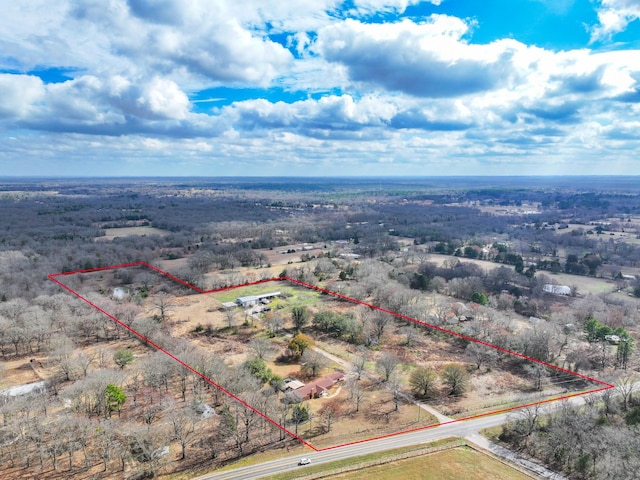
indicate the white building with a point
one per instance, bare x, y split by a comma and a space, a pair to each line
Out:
255, 299
557, 289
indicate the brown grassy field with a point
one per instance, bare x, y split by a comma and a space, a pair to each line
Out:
111, 233
454, 464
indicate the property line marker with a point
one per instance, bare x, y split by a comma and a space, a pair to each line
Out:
54, 277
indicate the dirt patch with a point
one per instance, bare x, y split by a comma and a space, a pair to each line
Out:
22, 370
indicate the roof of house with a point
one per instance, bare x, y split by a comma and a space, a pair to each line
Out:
319, 386
294, 384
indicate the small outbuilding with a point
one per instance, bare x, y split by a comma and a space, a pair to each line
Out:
557, 289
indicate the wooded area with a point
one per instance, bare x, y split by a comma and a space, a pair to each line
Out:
488, 260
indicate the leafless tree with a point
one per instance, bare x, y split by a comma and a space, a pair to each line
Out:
107, 445
147, 447
313, 362
262, 347
360, 362
356, 392
183, 423
411, 333
127, 313
625, 386
482, 354
330, 412
230, 314
84, 360
274, 323
538, 373
386, 365
379, 323
164, 305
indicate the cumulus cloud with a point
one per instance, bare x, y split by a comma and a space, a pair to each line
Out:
19, 94
195, 42
329, 116
613, 17
376, 92
111, 106
427, 59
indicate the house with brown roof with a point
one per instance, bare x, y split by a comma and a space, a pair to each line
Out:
319, 388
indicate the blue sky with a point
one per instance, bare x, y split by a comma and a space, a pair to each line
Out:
323, 87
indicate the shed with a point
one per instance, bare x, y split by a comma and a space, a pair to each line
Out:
556, 289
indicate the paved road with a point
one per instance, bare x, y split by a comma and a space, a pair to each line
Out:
457, 429
468, 429
464, 429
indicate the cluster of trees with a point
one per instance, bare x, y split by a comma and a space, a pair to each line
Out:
596, 441
337, 325
219, 230
425, 381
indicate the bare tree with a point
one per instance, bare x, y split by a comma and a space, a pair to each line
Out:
163, 304
313, 362
356, 392
84, 360
379, 322
482, 354
274, 323
386, 365
147, 447
127, 313
183, 423
262, 347
106, 444
411, 333
330, 412
230, 314
360, 362
625, 386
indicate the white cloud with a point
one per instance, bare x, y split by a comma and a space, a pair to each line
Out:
19, 94
613, 17
190, 41
374, 6
378, 94
329, 116
427, 59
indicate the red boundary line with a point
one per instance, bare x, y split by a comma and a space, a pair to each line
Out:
52, 277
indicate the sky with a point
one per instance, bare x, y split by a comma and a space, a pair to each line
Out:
319, 87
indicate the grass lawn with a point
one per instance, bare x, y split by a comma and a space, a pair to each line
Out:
298, 295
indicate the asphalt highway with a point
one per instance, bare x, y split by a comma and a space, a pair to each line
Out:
274, 467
